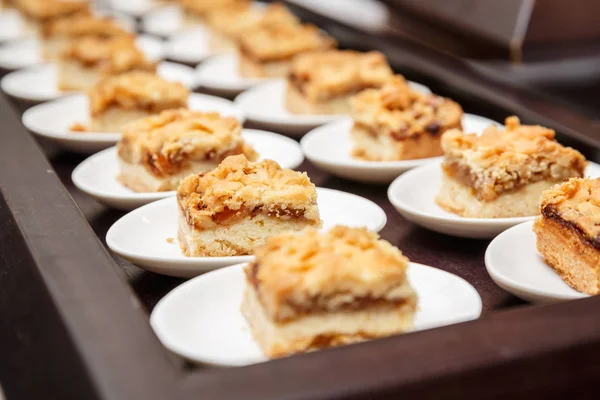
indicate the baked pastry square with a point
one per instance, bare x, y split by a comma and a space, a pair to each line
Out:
57, 34
323, 82
397, 123
86, 61
267, 50
157, 152
503, 173
234, 208
309, 290
42, 11
121, 99
568, 232
195, 11
228, 24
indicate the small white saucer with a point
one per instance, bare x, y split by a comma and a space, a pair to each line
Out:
264, 105
40, 83
163, 21
201, 319
329, 147
141, 236
219, 75
514, 263
190, 46
136, 8
413, 195
12, 26
27, 52
54, 119
97, 175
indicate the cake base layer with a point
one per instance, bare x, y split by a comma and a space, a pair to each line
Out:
219, 42
113, 119
313, 332
236, 239
373, 147
73, 76
459, 199
296, 103
53, 47
137, 178
249, 68
575, 260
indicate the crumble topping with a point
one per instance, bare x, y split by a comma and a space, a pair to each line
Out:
84, 25
166, 142
111, 56
502, 160
201, 7
45, 10
137, 89
344, 268
238, 187
397, 111
275, 42
237, 19
576, 201
324, 75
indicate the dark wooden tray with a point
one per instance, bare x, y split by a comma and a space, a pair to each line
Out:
74, 318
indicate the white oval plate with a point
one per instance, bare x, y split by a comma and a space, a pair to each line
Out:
54, 119
97, 175
12, 26
164, 21
329, 147
219, 75
413, 194
136, 8
39, 83
141, 236
27, 52
201, 320
514, 263
264, 105
190, 46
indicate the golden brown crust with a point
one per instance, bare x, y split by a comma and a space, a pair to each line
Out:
342, 269
168, 142
202, 7
237, 19
576, 203
323, 75
275, 42
137, 90
111, 56
84, 25
238, 187
44, 10
499, 161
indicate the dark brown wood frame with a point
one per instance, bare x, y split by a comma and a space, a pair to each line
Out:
71, 328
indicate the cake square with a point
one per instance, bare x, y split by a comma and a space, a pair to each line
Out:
228, 24
57, 34
267, 50
323, 82
86, 61
568, 232
309, 290
234, 208
157, 152
395, 122
195, 11
503, 173
40, 11
118, 100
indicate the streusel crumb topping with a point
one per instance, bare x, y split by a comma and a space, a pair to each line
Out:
323, 75
167, 141
238, 185
111, 56
45, 10
201, 7
274, 42
397, 111
501, 160
84, 25
234, 21
137, 89
576, 201
343, 268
